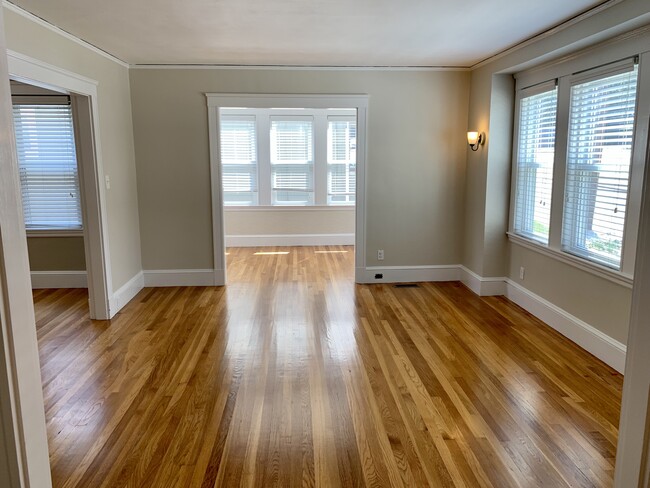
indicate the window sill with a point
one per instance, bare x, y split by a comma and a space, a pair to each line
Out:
289, 208
593, 268
55, 232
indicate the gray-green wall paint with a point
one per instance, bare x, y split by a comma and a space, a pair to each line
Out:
415, 164
115, 131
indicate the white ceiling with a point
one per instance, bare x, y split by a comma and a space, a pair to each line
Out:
305, 32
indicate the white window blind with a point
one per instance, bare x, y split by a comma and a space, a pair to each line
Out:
341, 160
239, 160
601, 125
48, 166
292, 161
535, 157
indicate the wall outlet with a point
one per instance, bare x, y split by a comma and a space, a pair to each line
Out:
522, 273
380, 255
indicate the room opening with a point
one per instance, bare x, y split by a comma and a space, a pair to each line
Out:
288, 181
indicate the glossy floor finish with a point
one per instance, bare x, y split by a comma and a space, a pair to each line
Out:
294, 376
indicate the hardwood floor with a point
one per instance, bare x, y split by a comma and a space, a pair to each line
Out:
292, 375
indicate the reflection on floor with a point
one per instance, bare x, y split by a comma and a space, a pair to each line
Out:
292, 375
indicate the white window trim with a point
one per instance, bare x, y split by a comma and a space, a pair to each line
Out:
215, 101
55, 233
289, 208
637, 167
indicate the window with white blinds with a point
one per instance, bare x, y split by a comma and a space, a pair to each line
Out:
534, 162
292, 161
601, 127
288, 156
48, 166
573, 162
341, 160
238, 145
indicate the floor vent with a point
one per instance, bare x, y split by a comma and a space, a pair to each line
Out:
407, 285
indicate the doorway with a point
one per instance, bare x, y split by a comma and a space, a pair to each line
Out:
82, 94
289, 185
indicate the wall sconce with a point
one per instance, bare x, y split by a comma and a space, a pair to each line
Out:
475, 139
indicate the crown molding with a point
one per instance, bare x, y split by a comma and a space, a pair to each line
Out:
44, 23
288, 67
547, 33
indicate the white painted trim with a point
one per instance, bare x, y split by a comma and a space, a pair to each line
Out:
294, 208
21, 396
484, 287
43, 23
633, 451
59, 279
30, 69
407, 274
126, 293
180, 277
55, 233
586, 336
297, 67
290, 240
297, 100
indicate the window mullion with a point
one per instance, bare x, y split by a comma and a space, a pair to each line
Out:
320, 158
559, 168
264, 156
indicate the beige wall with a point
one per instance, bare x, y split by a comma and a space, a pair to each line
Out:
599, 302
416, 158
294, 221
116, 132
56, 254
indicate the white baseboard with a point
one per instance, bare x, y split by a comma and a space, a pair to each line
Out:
407, 274
290, 240
586, 336
59, 279
182, 277
126, 293
484, 287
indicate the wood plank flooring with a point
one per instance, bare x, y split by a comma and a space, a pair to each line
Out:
292, 375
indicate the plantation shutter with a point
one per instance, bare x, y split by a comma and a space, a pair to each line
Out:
601, 124
238, 145
535, 158
341, 160
292, 161
47, 163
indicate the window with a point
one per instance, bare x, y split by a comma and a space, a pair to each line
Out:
341, 160
292, 161
591, 161
48, 166
288, 157
239, 160
601, 125
535, 156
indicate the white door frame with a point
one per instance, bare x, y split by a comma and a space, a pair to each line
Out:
633, 451
228, 100
22, 418
85, 108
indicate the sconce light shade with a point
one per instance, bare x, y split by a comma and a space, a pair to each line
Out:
475, 139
